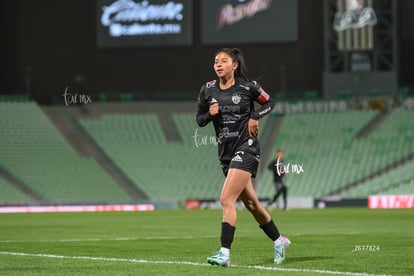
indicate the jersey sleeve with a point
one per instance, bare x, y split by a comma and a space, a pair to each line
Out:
261, 97
203, 116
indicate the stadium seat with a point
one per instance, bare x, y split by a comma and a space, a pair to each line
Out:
37, 154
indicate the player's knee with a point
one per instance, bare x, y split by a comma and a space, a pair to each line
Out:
226, 201
251, 205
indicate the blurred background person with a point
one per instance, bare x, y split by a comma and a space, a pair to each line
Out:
279, 170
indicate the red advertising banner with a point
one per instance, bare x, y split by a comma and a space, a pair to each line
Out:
192, 204
390, 201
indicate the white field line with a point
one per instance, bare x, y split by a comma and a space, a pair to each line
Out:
119, 239
255, 267
109, 239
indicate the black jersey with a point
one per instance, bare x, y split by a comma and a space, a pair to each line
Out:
236, 107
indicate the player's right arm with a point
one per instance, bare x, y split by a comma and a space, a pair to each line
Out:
205, 111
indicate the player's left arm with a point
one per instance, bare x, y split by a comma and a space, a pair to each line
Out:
266, 106
260, 96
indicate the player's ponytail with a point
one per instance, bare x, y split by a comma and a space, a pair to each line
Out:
237, 56
241, 70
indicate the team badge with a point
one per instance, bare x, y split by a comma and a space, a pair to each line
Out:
236, 98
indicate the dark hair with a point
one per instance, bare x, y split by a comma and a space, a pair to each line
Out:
237, 56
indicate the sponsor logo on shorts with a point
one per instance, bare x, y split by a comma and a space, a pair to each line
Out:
237, 158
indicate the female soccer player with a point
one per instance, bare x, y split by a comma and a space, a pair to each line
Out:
228, 101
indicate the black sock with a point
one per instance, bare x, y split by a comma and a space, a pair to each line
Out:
227, 234
271, 230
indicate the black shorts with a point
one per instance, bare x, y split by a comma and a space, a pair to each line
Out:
242, 160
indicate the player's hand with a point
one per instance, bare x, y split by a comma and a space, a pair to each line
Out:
253, 127
214, 109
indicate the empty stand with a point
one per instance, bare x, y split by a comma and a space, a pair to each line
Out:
163, 170
10, 195
39, 157
325, 145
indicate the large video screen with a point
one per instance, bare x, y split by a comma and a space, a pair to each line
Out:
249, 21
136, 23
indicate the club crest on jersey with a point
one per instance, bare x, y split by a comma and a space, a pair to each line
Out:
236, 98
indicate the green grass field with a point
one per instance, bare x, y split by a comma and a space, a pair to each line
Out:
336, 241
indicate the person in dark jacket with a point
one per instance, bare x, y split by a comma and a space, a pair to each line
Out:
278, 169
